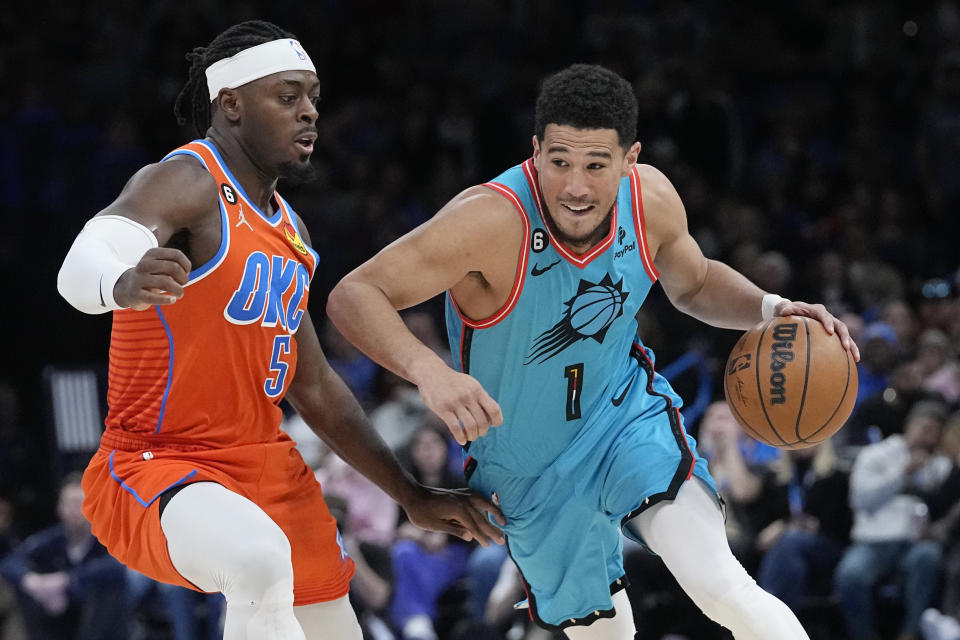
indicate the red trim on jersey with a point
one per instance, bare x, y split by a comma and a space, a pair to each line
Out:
685, 443
679, 417
462, 331
640, 224
578, 261
511, 302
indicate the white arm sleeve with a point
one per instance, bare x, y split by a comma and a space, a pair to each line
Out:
104, 250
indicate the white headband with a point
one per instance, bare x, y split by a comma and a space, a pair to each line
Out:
255, 63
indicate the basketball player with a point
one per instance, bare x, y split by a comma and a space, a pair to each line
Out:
207, 271
546, 267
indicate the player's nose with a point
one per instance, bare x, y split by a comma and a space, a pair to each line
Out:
576, 186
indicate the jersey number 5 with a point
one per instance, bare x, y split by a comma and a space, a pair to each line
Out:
274, 383
574, 375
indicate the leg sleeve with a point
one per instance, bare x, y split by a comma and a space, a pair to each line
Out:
688, 533
221, 541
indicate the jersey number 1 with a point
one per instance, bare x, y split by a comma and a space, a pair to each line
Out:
574, 375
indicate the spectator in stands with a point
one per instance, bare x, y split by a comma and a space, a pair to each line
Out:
884, 414
372, 584
805, 543
886, 484
735, 460
425, 563
11, 624
945, 529
69, 587
177, 607
879, 347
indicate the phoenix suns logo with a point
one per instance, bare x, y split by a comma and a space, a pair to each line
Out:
294, 238
588, 314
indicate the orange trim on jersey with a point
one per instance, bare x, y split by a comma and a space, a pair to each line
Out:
511, 302
640, 224
579, 261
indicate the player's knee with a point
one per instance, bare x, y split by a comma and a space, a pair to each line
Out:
727, 577
269, 559
735, 603
265, 571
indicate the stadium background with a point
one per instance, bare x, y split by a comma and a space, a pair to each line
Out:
816, 146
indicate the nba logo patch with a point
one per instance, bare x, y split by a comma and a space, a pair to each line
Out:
294, 238
297, 49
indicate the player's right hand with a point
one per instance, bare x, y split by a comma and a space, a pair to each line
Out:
462, 403
158, 279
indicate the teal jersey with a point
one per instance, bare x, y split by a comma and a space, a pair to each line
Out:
557, 355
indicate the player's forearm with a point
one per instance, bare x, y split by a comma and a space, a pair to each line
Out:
367, 318
725, 298
108, 246
332, 412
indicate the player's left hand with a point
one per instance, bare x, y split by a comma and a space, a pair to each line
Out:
459, 512
829, 322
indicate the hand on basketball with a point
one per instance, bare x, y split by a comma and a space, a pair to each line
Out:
157, 279
459, 512
461, 402
829, 322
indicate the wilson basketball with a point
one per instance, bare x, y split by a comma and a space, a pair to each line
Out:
789, 383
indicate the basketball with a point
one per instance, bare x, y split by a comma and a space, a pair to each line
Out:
789, 383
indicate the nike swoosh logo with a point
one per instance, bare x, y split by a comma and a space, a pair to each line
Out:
619, 399
538, 271
100, 290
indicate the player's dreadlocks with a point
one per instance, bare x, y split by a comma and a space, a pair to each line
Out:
194, 95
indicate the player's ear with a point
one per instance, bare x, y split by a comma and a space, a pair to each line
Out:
630, 159
229, 103
536, 151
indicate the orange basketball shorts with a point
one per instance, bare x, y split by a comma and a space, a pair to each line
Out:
121, 499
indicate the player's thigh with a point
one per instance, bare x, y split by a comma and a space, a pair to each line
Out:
217, 538
688, 534
324, 620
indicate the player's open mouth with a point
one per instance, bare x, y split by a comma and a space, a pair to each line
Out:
577, 209
305, 143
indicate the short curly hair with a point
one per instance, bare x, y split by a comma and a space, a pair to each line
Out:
588, 96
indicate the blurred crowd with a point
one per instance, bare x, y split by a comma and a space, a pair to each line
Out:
816, 147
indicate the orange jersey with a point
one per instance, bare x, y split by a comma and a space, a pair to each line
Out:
210, 369
193, 396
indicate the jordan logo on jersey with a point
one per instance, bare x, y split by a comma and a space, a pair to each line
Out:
266, 282
589, 314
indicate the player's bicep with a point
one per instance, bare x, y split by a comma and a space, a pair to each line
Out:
166, 196
682, 267
676, 255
